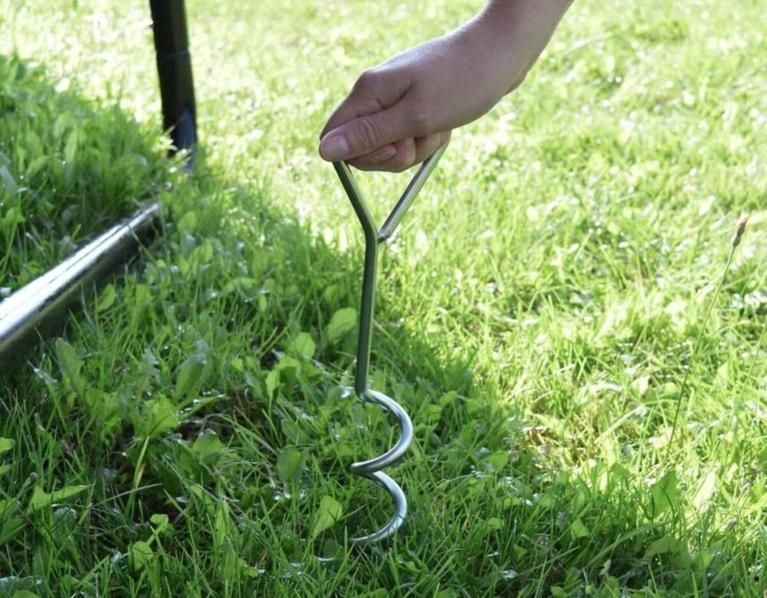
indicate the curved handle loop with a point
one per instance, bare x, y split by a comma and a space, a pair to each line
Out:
400, 208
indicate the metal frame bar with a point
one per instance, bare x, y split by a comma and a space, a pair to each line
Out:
41, 306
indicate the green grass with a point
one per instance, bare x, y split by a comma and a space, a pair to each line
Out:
585, 367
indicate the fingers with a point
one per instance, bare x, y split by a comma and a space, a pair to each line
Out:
381, 125
375, 90
367, 133
373, 159
401, 155
407, 150
426, 146
357, 122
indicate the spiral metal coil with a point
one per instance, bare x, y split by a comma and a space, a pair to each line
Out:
372, 469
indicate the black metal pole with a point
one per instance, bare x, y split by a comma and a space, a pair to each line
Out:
174, 67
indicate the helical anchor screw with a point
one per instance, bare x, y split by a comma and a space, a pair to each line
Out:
372, 468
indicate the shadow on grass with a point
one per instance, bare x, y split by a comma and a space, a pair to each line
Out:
203, 426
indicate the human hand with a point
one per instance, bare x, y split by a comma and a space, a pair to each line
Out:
400, 112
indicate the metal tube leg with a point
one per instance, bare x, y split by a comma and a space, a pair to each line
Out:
41, 306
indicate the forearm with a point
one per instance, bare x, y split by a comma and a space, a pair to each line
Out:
401, 111
518, 31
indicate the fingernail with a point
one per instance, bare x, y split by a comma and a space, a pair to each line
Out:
334, 147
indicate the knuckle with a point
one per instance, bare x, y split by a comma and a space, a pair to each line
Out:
403, 160
366, 80
430, 145
420, 119
366, 133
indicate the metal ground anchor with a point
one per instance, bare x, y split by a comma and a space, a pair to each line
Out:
372, 468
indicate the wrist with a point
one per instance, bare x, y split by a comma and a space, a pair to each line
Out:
517, 31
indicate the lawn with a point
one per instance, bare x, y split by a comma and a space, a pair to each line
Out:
564, 313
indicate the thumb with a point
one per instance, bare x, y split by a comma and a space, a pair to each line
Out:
367, 133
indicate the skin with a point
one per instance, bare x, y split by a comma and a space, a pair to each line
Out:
400, 112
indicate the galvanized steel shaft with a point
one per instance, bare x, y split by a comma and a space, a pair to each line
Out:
41, 306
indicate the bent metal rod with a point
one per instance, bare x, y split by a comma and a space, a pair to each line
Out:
372, 469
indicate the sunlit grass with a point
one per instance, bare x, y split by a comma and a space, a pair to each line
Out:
584, 364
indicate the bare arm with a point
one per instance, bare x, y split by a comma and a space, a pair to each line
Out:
401, 111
